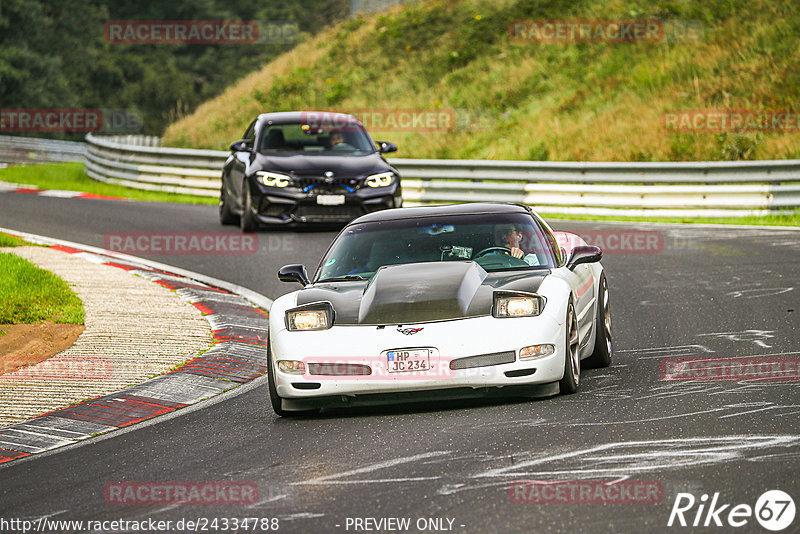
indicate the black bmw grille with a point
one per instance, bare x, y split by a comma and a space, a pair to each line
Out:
328, 213
326, 185
483, 360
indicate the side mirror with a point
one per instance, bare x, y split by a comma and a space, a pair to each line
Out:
584, 254
384, 147
243, 145
293, 273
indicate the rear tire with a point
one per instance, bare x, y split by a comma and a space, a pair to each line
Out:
247, 221
603, 346
226, 216
572, 359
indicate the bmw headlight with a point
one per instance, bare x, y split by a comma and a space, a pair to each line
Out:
317, 316
273, 179
380, 180
517, 304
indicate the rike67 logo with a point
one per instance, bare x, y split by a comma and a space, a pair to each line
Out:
774, 510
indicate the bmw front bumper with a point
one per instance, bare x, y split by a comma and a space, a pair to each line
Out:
275, 205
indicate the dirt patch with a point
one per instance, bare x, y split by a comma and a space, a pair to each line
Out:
29, 344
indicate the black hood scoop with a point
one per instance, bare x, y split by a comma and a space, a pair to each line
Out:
418, 293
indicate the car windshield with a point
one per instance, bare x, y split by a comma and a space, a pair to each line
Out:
309, 139
496, 241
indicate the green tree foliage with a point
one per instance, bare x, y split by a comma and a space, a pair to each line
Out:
54, 55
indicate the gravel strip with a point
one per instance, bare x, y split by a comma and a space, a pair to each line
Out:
135, 329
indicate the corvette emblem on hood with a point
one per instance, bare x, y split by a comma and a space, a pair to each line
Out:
408, 331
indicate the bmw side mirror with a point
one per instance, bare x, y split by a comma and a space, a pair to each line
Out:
293, 273
243, 145
384, 147
584, 254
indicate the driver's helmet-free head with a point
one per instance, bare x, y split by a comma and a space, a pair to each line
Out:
334, 134
501, 232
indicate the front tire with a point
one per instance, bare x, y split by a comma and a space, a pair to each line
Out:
603, 346
572, 359
247, 221
275, 400
226, 216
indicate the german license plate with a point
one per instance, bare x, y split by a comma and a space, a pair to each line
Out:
404, 360
330, 200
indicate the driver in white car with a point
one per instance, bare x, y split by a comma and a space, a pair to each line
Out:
512, 238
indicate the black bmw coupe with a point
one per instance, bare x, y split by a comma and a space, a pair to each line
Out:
306, 166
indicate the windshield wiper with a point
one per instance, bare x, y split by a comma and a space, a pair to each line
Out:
341, 278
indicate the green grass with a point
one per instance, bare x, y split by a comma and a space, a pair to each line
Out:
527, 101
11, 241
71, 177
792, 219
29, 294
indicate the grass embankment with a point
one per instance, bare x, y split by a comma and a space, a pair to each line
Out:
29, 294
593, 101
71, 177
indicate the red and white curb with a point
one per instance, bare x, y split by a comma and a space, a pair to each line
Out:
238, 319
56, 193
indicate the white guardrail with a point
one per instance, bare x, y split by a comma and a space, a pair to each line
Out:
711, 189
29, 150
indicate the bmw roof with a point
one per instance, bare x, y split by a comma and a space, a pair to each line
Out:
283, 117
472, 208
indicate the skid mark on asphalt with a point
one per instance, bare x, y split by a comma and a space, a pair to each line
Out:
337, 477
625, 457
660, 352
753, 336
619, 460
759, 292
722, 412
781, 409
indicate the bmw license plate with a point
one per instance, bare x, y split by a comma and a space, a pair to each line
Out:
330, 200
404, 360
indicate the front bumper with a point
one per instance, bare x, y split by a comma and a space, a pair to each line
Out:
275, 205
468, 355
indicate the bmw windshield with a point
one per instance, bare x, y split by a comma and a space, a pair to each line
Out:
495, 241
308, 139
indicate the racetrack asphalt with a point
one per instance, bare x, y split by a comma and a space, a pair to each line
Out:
704, 293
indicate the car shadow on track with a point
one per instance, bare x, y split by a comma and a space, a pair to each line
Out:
408, 408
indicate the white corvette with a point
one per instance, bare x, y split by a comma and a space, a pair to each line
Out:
419, 304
